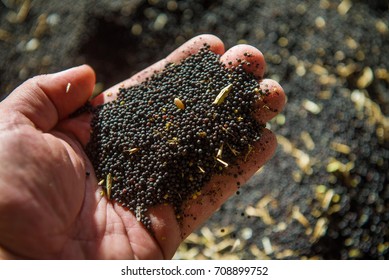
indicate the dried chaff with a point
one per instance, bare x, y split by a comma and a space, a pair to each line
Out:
132, 151
108, 185
222, 95
180, 105
68, 87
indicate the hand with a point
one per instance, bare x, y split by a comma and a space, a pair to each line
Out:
50, 203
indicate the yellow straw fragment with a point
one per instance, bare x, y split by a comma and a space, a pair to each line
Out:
222, 95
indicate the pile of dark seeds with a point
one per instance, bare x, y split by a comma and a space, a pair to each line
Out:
163, 139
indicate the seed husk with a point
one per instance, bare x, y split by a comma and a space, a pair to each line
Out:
138, 213
132, 150
201, 169
249, 150
220, 151
109, 185
222, 95
173, 141
180, 105
234, 151
68, 87
225, 164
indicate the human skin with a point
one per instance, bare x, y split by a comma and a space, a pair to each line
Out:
50, 203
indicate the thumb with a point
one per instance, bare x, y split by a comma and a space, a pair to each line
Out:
46, 99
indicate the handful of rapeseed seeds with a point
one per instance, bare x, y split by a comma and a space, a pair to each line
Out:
150, 153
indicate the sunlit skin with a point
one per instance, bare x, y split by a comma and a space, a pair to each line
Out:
50, 204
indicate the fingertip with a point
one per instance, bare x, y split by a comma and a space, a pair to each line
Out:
194, 45
272, 101
250, 57
216, 45
89, 75
69, 89
46, 99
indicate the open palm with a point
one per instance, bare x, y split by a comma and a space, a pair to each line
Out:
50, 203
